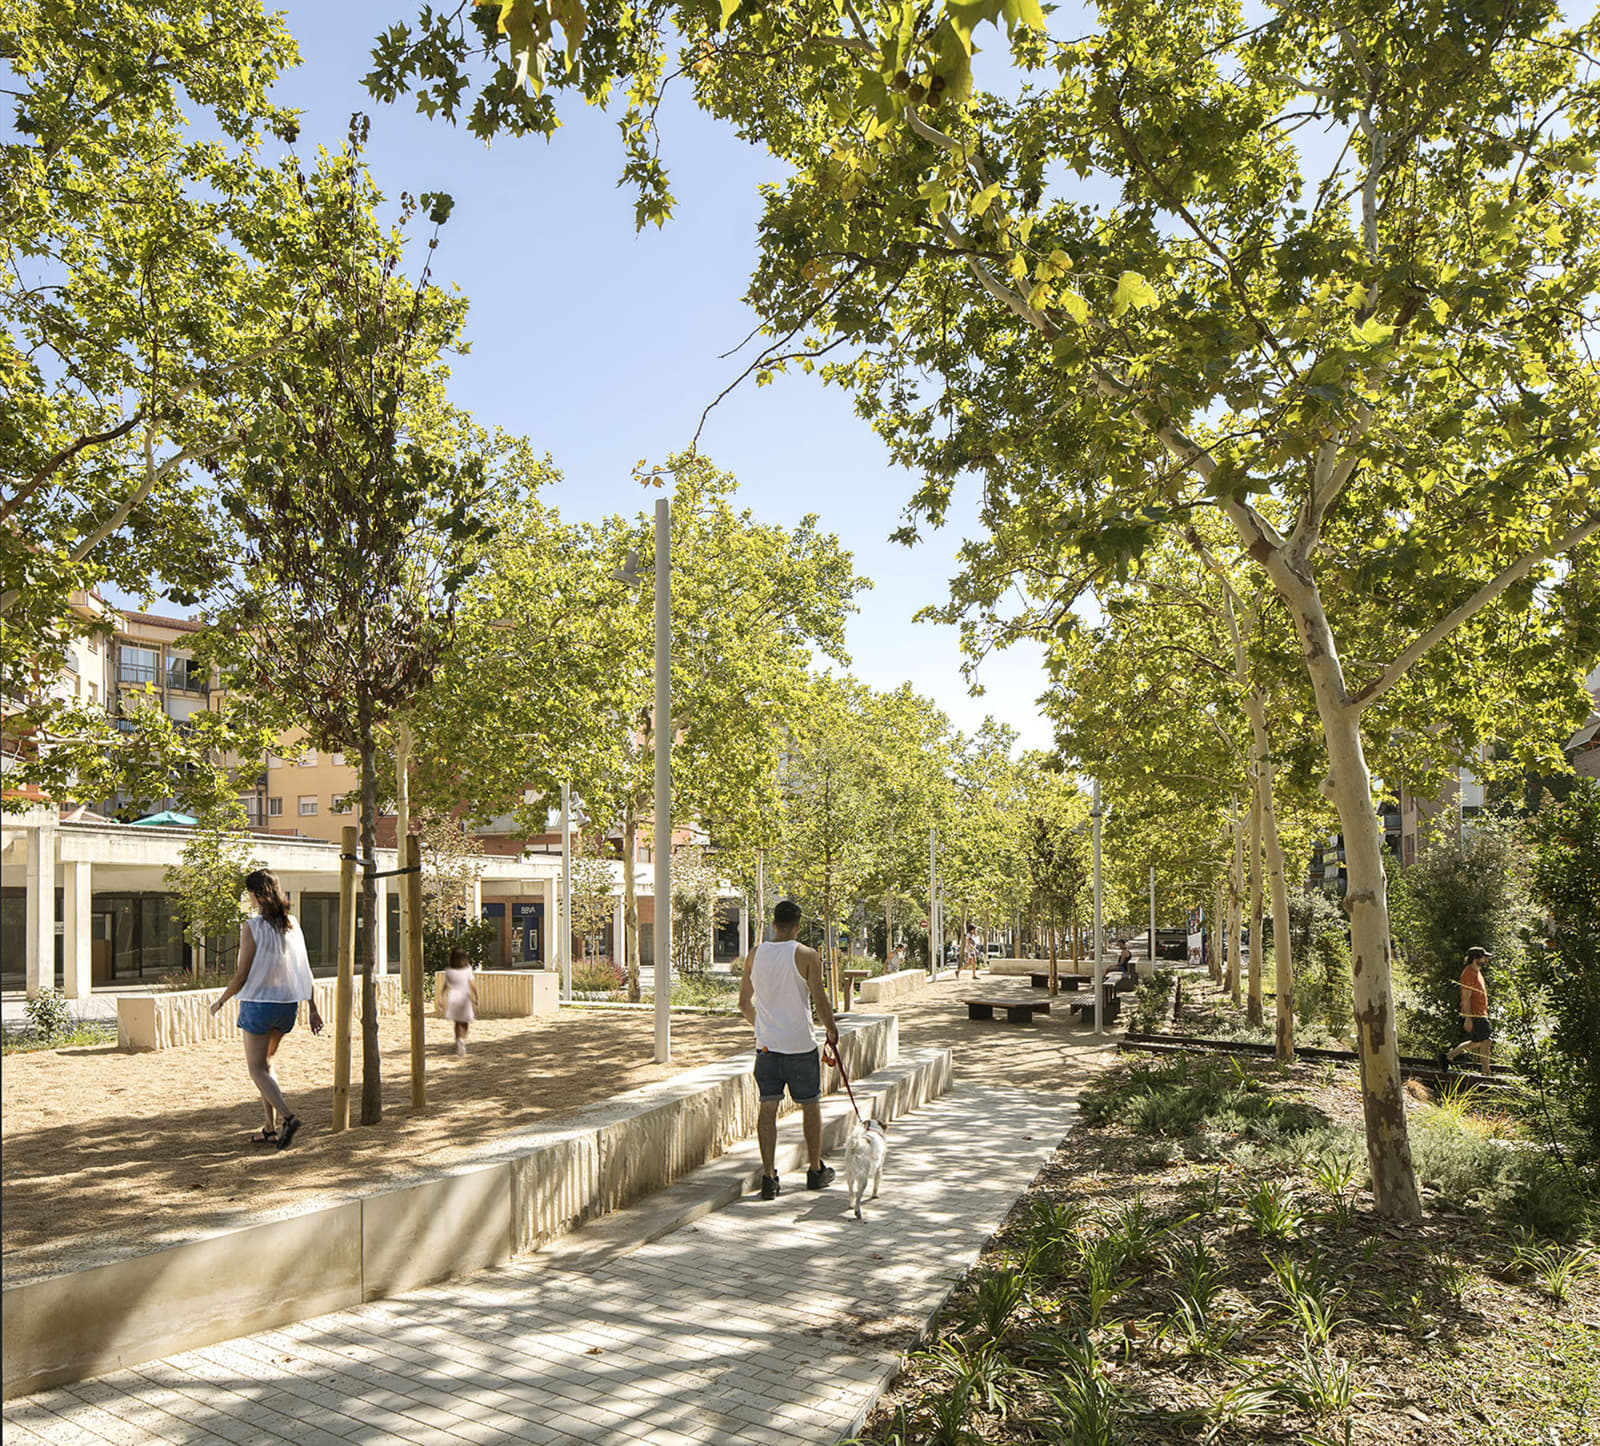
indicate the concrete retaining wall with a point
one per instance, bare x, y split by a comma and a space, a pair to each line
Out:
85, 1323
512, 994
884, 987
183, 1016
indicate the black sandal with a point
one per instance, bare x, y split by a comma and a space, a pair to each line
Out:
265, 1137
290, 1125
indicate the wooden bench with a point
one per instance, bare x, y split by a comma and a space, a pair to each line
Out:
1065, 980
851, 978
1018, 1011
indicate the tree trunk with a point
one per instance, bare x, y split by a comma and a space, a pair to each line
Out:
1349, 784
888, 925
1255, 705
402, 827
1055, 983
1254, 1012
371, 1082
1219, 935
630, 902
1235, 907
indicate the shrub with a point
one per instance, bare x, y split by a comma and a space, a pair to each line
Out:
48, 1015
1467, 887
481, 941
1555, 1018
1152, 1001
1319, 945
597, 976
195, 979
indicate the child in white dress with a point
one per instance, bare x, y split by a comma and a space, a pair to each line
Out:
460, 995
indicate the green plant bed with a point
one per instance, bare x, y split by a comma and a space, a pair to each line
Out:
1143, 1292
190, 979
75, 1036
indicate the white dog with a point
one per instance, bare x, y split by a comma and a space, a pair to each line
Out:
863, 1160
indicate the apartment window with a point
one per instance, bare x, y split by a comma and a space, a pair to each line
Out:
94, 693
138, 665
274, 808
308, 804
308, 759
273, 761
185, 674
336, 759
339, 803
252, 807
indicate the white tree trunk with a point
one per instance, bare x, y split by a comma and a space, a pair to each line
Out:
1349, 784
1255, 1011
1235, 908
1255, 705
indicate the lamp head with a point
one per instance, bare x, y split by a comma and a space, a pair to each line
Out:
629, 571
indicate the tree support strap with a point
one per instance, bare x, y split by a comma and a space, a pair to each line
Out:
383, 873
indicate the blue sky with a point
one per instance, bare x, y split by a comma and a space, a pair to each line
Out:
603, 346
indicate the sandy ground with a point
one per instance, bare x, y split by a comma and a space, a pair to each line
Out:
105, 1150
107, 1153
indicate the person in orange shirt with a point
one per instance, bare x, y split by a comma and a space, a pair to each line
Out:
1474, 1011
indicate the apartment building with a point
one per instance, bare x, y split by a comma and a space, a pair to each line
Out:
125, 928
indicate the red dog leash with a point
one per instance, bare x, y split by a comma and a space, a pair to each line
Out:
830, 1055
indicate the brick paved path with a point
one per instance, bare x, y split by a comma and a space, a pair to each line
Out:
782, 1317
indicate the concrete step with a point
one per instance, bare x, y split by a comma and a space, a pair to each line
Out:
917, 1077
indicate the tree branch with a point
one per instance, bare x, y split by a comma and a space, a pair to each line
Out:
65, 455
1473, 605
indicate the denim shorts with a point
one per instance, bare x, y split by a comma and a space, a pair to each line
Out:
260, 1016
802, 1073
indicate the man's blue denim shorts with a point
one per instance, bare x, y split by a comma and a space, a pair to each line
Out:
259, 1016
802, 1073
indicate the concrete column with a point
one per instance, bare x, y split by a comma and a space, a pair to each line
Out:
546, 889
475, 901
619, 946
77, 942
380, 962
744, 926
40, 910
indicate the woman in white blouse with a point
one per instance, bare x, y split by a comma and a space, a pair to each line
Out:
274, 975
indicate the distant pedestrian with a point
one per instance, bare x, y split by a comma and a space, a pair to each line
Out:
780, 983
273, 976
970, 951
1124, 956
1474, 1012
897, 957
460, 997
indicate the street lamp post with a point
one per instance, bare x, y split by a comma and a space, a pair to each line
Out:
563, 919
629, 573
663, 762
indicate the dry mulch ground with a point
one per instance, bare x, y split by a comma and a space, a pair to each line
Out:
1441, 1334
107, 1153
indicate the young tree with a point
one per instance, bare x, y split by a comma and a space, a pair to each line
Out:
451, 861
208, 881
357, 533
593, 898
694, 904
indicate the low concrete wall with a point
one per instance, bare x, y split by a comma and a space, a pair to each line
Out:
512, 994
85, 1323
884, 987
174, 1018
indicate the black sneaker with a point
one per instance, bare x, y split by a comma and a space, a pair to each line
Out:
769, 1187
1444, 1061
818, 1179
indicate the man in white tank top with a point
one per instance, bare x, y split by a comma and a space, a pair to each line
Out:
781, 982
